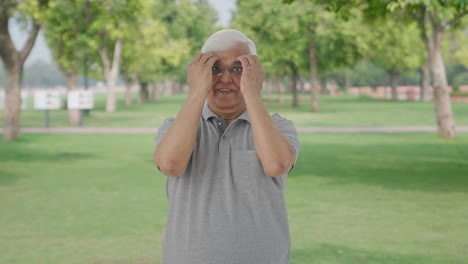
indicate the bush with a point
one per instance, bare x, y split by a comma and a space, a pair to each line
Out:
459, 93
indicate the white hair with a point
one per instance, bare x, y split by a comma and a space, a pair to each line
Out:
227, 39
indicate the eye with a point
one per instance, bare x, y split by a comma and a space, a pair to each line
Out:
216, 70
236, 70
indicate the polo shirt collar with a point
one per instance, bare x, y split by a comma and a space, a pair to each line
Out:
207, 114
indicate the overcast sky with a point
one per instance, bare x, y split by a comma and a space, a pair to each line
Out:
224, 7
41, 51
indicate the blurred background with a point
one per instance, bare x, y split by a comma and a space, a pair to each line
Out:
394, 50
377, 89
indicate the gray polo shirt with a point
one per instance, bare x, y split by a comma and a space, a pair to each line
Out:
224, 208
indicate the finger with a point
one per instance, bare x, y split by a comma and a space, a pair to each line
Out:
204, 59
198, 57
251, 59
244, 61
211, 60
255, 60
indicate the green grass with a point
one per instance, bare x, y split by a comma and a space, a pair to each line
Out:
352, 198
335, 111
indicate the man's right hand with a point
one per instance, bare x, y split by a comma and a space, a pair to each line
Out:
199, 73
172, 155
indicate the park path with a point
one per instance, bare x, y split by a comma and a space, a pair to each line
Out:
143, 130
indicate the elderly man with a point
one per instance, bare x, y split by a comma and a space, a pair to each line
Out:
226, 160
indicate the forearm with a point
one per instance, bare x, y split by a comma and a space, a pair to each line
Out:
274, 150
175, 148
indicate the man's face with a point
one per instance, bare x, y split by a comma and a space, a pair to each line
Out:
225, 96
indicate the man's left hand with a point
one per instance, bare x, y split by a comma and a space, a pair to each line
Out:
252, 75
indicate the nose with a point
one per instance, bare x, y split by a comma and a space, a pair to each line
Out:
226, 76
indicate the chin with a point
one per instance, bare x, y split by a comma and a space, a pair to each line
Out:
228, 104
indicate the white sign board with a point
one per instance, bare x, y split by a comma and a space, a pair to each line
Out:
47, 100
80, 99
24, 100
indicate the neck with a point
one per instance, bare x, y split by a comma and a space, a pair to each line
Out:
229, 117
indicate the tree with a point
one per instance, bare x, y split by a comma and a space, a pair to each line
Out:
189, 23
434, 19
65, 31
460, 56
396, 48
140, 63
461, 51
333, 43
272, 25
31, 12
109, 22
303, 35
169, 33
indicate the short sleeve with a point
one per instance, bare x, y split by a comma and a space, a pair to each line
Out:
288, 130
163, 129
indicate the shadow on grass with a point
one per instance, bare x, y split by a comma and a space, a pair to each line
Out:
21, 158
328, 253
393, 165
26, 156
18, 154
337, 104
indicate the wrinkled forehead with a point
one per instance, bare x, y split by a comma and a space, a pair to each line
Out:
230, 57
228, 64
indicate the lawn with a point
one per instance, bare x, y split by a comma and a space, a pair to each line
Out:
352, 198
335, 111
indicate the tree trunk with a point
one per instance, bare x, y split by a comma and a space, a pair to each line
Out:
12, 108
13, 62
293, 82
73, 114
425, 82
300, 85
177, 87
128, 90
323, 87
156, 91
269, 89
276, 86
168, 87
128, 95
143, 93
348, 79
393, 79
315, 87
443, 105
281, 92
111, 71
293, 88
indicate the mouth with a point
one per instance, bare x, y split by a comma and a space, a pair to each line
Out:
225, 90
